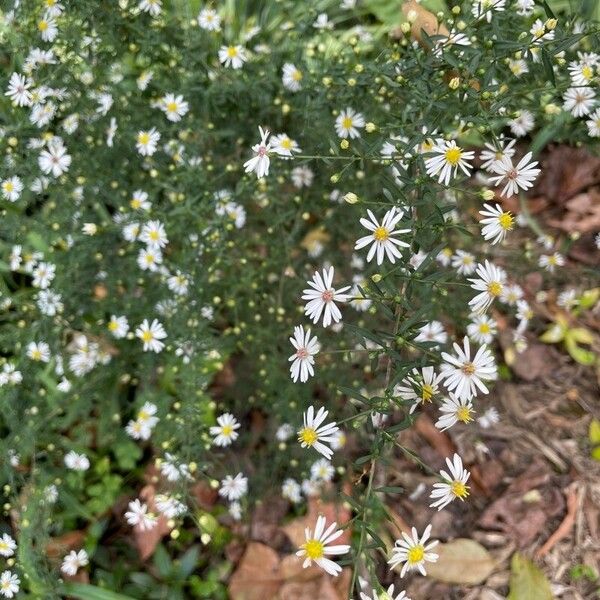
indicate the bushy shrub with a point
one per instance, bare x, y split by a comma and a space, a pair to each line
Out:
175, 174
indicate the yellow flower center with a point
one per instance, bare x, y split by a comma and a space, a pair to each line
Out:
468, 368
172, 107
484, 328
416, 554
506, 221
494, 288
308, 435
453, 155
143, 415
8, 186
552, 260
463, 414
147, 336
286, 143
347, 122
227, 430
135, 203
232, 52
43, 25
143, 138
460, 490
296, 75
587, 72
3, 546
36, 355
427, 392
153, 235
113, 326
381, 234
314, 549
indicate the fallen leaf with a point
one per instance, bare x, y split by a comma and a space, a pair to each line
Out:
527, 582
454, 556
424, 21
439, 440
258, 576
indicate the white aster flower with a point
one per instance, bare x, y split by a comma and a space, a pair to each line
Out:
174, 107
496, 224
322, 298
138, 516
382, 240
579, 101
303, 359
413, 551
418, 386
12, 188
76, 462
7, 545
19, 90
225, 433
454, 410
260, 162
551, 261
232, 56
9, 584
454, 486
514, 177
317, 547
447, 160
522, 124
151, 334
152, 7
348, 123
234, 488
314, 435
147, 142
209, 20
292, 77
490, 283
482, 329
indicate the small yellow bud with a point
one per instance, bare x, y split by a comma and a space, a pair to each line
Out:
376, 278
454, 83
370, 127
551, 24
351, 198
344, 144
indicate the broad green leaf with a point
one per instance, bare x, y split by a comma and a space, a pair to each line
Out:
84, 591
527, 582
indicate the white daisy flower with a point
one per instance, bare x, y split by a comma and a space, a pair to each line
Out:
152, 7
449, 158
7, 545
9, 584
76, 462
540, 33
232, 56
432, 332
454, 410
174, 107
454, 486
520, 176
260, 162
382, 240
464, 375
413, 551
579, 101
234, 488
464, 262
419, 386
138, 516
389, 594
209, 20
225, 432
314, 434
154, 235
317, 547
118, 326
348, 123
147, 142
593, 124
303, 359
39, 351
284, 146
482, 329
522, 124
496, 224
12, 188
490, 284
292, 491
292, 77
322, 298
497, 151
551, 261
489, 418
18, 90
47, 28
151, 334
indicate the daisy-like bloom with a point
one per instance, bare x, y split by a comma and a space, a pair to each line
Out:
9, 584
522, 124
418, 386
496, 224
147, 141
348, 123
73, 561
464, 262
151, 334
482, 329
233, 488
316, 547
454, 410
260, 162
489, 418
284, 145
540, 33
454, 38
525, 7
232, 56
292, 491
484, 8
292, 77
579, 101
303, 359
568, 299
149, 258
382, 240
174, 107
432, 332
169, 507
118, 326
179, 283
47, 28
12, 188
447, 160
43, 274
225, 432
110, 132
76, 462
464, 375
323, 22
53, 8
18, 90
322, 298
551, 261
152, 7
322, 470
15, 258
139, 200
209, 20
138, 516
490, 284
413, 551
518, 66
172, 469
389, 594
593, 124
39, 351
498, 151
454, 486
313, 434
7, 545
514, 177
581, 72
302, 177
154, 235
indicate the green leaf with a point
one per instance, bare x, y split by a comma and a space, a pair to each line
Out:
162, 561
85, 591
527, 582
594, 432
